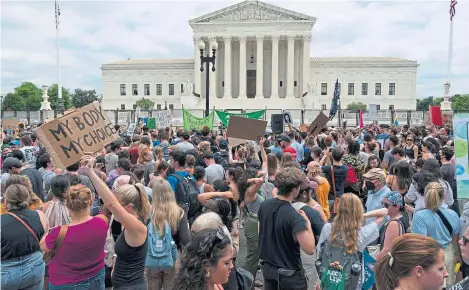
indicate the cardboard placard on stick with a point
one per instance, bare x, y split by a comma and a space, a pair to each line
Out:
318, 123
67, 138
241, 129
10, 124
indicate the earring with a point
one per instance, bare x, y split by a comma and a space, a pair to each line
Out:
207, 274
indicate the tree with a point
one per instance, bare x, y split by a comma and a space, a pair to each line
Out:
54, 98
12, 102
356, 106
83, 97
26, 96
460, 102
145, 104
422, 104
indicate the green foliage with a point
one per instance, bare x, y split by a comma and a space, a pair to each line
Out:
26, 96
12, 103
145, 104
460, 102
356, 106
83, 97
52, 92
423, 104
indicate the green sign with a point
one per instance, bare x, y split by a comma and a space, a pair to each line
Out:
193, 122
151, 123
225, 116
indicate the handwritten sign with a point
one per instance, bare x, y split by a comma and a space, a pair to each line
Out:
369, 274
160, 120
86, 129
241, 129
10, 124
318, 123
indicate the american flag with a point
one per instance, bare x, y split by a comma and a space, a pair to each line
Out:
452, 9
57, 14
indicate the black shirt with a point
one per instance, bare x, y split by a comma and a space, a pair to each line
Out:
315, 219
448, 173
279, 223
17, 240
36, 181
340, 172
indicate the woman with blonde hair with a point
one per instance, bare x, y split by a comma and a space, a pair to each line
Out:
322, 192
241, 156
34, 202
414, 262
439, 223
166, 215
77, 248
129, 205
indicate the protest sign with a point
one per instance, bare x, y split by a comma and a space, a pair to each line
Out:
67, 138
461, 152
131, 129
242, 129
287, 118
447, 118
225, 116
193, 122
304, 128
369, 271
160, 119
318, 123
10, 124
373, 112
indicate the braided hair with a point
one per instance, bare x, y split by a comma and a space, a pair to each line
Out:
226, 209
205, 250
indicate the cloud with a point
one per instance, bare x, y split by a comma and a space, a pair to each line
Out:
97, 32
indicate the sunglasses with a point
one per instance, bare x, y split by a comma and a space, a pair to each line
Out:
410, 139
386, 205
465, 240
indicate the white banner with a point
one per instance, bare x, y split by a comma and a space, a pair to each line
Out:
162, 119
373, 112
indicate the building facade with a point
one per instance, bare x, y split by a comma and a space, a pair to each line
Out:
262, 60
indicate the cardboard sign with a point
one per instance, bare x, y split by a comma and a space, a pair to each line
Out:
304, 128
10, 124
67, 138
244, 129
287, 118
318, 123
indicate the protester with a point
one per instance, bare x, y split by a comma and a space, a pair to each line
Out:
55, 210
47, 172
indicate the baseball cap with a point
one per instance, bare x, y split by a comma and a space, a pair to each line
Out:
100, 159
285, 138
14, 143
223, 144
375, 173
12, 162
5, 146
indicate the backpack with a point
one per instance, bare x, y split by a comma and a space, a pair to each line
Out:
162, 251
222, 159
336, 253
351, 177
186, 196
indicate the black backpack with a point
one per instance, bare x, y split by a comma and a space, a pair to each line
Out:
222, 158
186, 196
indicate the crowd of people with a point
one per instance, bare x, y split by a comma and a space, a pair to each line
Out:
164, 209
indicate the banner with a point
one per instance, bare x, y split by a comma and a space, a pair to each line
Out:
369, 273
87, 129
373, 112
225, 116
193, 122
160, 120
435, 116
461, 150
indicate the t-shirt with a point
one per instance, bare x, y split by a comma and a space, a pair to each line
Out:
448, 173
36, 181
47, 176
381, 138
279, 223
82, 253
428, 223
389, 158
185, 146
290, 150
214, 172
30, 154
340, 172
463, 285
315, 219
165, 147
111, 162
133, 154
174, 182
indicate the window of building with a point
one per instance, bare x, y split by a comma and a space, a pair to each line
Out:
392, 89
171, 106
146, 89
324, 89
134, 90
295, 83
281, 83
323, 107
378, 107
159, 89
135, 106
158, 107
171, 89
351, 89
364, 89
378, 89
182, 88
391, 107
123, 92
122, 106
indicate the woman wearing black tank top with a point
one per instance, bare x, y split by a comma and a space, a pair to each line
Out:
129, 205
22, 266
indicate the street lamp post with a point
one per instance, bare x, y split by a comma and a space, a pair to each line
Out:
1, 106
207, 60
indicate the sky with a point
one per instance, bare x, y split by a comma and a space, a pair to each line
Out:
97, 32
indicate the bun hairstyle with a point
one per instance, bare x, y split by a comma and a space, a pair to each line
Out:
137, 197
17, 197
205, 250
242, 153
78, 198
59, 186
434, 194
408, 252
23, 180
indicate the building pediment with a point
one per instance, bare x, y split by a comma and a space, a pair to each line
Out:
252, 11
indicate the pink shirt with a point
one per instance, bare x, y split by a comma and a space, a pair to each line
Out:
82, 253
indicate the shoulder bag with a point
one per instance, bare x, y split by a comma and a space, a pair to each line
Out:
60, 239
25, 225
445, 222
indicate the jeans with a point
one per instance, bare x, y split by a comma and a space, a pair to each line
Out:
25, 272
158, 279
93, 283
140, 286
251, 231
449, 259
283, 279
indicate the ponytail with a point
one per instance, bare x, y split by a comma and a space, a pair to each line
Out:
433, 196
143, 208
388, 280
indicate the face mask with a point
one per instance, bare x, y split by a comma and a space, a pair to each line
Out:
370, 186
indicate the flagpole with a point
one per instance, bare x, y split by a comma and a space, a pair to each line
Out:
60, 104
446, 104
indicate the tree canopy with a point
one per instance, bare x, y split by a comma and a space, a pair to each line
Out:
83, 97
26, 96
52, 92
356, 106
145, 104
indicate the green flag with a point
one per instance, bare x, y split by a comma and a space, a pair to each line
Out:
151, 123
225, 116
193, 122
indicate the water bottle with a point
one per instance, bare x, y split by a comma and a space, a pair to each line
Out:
355, 276
319, 269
